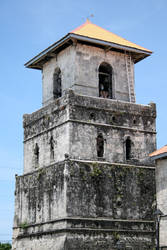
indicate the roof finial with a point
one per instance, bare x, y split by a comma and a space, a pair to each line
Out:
88, 18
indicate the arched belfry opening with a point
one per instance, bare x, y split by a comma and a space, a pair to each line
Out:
57, 88
105, 80
128, 146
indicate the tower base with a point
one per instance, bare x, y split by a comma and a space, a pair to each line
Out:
85, 205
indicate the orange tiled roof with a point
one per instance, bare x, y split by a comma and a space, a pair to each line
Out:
159, 151
91, 30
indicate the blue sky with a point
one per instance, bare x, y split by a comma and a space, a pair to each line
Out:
27, 27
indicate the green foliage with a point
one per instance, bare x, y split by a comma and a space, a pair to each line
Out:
23, 225
5, 246
97, 172
116, 236
40, 173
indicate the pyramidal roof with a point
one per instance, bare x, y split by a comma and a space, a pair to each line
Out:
94, 31
93, 35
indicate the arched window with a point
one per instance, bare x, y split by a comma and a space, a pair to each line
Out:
105, 80
57, 91
100, 145
128, 148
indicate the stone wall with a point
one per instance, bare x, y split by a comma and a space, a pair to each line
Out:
74, 122
39, 127
79, 67
86, 201
88, 60
161, 193
116, 121
65, 60
110, 202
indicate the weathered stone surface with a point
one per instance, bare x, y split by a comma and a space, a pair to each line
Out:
88, 183
95, 204
161, 194
79, 66
105, 190
75, 121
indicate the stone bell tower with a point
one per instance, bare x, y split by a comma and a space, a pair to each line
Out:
87, 182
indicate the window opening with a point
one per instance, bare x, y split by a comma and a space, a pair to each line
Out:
57, 91
128, 148
36, 153
51, 148
113, 118
134, 121
92, 116
105, 80
100, 145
